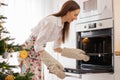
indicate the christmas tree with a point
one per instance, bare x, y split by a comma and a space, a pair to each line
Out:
5, 69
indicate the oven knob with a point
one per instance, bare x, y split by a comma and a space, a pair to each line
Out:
85, 26
100, 24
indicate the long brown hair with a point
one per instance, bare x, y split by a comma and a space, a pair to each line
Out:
70, 5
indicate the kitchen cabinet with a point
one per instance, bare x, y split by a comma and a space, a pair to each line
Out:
117, 38
116, 26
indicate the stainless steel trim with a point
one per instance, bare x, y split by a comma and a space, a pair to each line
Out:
74, 75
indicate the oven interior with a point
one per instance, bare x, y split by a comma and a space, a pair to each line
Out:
98, 44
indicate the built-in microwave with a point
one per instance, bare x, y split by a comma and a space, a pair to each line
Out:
92, 10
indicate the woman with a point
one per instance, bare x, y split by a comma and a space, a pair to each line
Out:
54, 28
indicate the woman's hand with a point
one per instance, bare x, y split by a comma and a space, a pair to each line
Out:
59, 50
73, 53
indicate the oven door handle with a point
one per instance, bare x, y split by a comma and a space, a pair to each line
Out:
74, 76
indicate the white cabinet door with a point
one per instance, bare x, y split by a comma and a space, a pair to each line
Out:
117, 26
117, 37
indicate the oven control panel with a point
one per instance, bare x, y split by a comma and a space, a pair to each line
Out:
102, 24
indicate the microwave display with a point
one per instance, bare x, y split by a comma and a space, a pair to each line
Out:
89, 5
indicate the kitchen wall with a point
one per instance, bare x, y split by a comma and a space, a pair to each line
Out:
22, 16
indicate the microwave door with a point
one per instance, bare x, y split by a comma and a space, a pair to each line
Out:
90, 8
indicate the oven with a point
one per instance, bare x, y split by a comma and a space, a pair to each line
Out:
96, 39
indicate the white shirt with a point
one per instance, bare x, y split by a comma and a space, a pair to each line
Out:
49, 29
